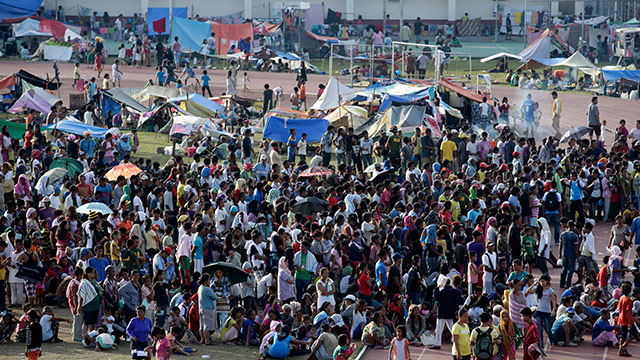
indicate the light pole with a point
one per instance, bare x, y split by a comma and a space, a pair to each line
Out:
495, 13
524, 24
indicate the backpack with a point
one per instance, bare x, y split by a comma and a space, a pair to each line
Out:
483, 348
551, 201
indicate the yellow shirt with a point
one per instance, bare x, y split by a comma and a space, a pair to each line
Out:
455, 210
448, 148
105, 84
557, 107
3, 271
494, 336
228, 324
463, 340
115, 251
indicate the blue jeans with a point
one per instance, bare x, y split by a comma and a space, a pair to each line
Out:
432, 264
544, 324
554, 220
414, 297
301, 288
366, 160
568, 267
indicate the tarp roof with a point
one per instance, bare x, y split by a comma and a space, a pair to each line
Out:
73, 126
615, 75
540, 48
198, 105
327, 39
159, 13
144, 94
12, 8
462, 91
37, 81
120, 96
355, 116
187, 125
16, 130
331, 94
404, 117
230, 34
633, 21
541, 63
577, 60
45, 27
396, 88
594, 20
190, 33
388, 99
277, 128
499, 55
36, 99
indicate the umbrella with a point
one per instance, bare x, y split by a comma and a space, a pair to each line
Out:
372, 168
71, 165
382, 176
575, 133
232, 272
127, 170
316, 171
113, 131
52, 175
94, 206
309, 205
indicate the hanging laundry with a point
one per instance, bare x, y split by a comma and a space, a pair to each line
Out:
534, 18
518, 17
104, 30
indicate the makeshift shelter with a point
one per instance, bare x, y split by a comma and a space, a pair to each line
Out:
309, 40
198, 105
158, 19
615, 75
334, 95
33, 26
500, 55
577, 60
72, 125
230, 34
277, 128
405, 117
462, 91
541, 63
190, 33
12, 8
540, 48
145, 94
288, 113
33, 80
348, 116
120, 97
36, 99
16, 130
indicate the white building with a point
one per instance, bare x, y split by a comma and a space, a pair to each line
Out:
441, 10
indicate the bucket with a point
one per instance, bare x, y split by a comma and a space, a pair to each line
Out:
191, 150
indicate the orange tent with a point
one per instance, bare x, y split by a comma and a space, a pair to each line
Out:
230, 34
8, 81
463, 92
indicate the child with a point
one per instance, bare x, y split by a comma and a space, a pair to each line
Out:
159, 76
179, 84
399, 349
99, 64
122, 53
162, 344
34, 336
117, 74
343, 351
245, 82
303, 96
472, 271
8, 325
294, 98
205, 83
76, 75
603, 130
21, 331
230, 330
105, 82
176, 346
248, 333
528, 244
302, 147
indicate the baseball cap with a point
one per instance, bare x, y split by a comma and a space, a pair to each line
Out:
350, 298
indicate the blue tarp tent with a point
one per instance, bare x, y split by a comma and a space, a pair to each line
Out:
73, 126
13, 8
198, 105
108, 104
154, 14
615, 75
387, 100
278, 128
190, 33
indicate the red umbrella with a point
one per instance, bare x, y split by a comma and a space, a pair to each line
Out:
127, 170
316, 171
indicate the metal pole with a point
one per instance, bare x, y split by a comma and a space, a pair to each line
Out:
581, 30
331, 61
495, 38
170, 19
401, 16
402, 70
384, 14
524, 24
393, 60
351, 63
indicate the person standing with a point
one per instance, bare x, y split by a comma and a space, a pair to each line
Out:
568, 252
139, 329
448, 301
490, 267
461, 348
531, 334
305, 264
593, 116
556, 110
325, 143
625, 319
267, 100
176, 51
207, 299
417, 30
116, 73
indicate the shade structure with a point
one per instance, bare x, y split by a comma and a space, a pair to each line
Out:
94, 206
316, 171
230, 271
71, 165
575, 133
50, 177
310, 205
127, 170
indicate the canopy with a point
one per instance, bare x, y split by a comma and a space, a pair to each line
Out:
334, 94
541, 63
577, 60
500, 55
593, 21
36, 81
462, 91
160, 13
36, 99
7, 82
278, 128
230, 34
120, 96
16, 130
147, 93
190, 33
44, 27
540, 48
73, 126
405, 117
12, 8
284, 112
615, 75
198, 105
633, 21
348, 116
187, 125
388, 99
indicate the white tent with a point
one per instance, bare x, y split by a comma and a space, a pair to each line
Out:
500, 55
577, 60
31, 27
37, 99
538, 49
334, 95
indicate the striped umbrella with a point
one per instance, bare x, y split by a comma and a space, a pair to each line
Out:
316, 171
127, 170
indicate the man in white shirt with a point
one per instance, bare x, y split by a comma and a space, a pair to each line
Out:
635, 133
490, 265
221, 216
588, 252
472, 147
264, 283
137, 200
73, 199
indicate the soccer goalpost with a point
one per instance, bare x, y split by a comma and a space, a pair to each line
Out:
414, 48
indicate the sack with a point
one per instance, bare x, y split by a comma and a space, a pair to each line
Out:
483, 348
32, 274
428, 339
551, 201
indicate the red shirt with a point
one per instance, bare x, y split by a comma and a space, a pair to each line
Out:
531, 337
624, 306
365, 289
194, 319
602, 277
28, 136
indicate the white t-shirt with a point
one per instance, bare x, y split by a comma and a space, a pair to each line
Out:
220, 216
115, 71
302, 147
484, 108
489, 260
472, 149
45, 322
635, 134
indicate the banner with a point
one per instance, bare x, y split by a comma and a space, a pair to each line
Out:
159, 26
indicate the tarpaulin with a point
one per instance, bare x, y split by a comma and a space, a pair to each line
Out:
36, 99
109, 105
16, 130
73, 126
28, 27
190, 33
333, 17
198, 105
462, 91
615, 75
120, 96
314, 15
389, 99
7, 82
36, 81
230, 34
157, 13
278, 128
334, 95
159, 25
12, 8
55, 28
54, 52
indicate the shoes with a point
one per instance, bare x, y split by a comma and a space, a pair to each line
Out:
434, 347
560, 343
572, 344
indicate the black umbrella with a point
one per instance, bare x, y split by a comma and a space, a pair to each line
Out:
382, 176
309, 205
234, 273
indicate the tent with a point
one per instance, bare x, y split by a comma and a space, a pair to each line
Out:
73, 126
187, 125
12, 8
7, 82
540, 48
36, 81
16, 130
405, 117
334, 94
159, 13
190, 33
145, 94
230, 34
576, 60
389, 99
277, 128
288, 113
36, 99
198, 105
541, 63
593, 21
615, 75
34, 26
500, 55
633, 21
462, 91
121, 97
348, 116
